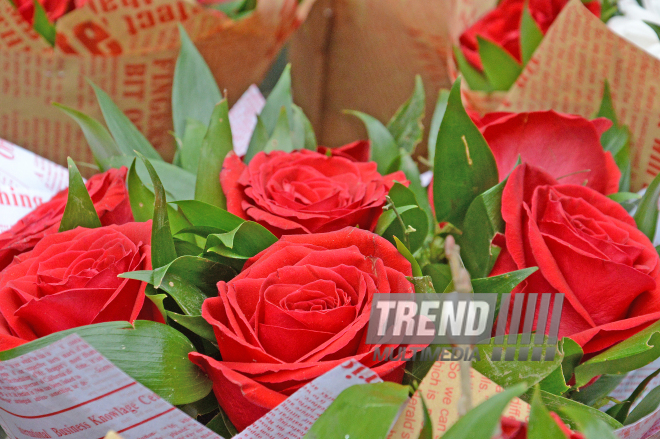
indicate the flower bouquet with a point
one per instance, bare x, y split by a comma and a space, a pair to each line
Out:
49, 49
244, 288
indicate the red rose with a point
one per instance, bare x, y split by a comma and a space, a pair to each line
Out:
563, 145
306, 191
502, 25
298, 309
110, 198
70, 279
588, 248
54, 8
514, 429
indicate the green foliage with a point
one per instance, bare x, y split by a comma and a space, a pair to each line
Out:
79, 210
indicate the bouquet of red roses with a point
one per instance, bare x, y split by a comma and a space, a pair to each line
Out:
226, 284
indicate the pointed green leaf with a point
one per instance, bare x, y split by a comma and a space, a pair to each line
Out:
427, 429
409, 167
164, 349
438, 115
129, 139
279, 97
191, 145
500, 67
464, 164
98, 138
194, 90
481, 421
402, 197
216, 145
195, 324
400, 246
158, 300
406, 125
221, 424
162, 245
384, 149
366, 411
79, 210
281, 138
503, 283
648, 405
258, 141
591, 427
646, 216
206, 215
483, 220
245, 241
530, 35
42, 24
559, 404
310, 136
440, 274
541, 425
654, 26
475, 79
630, 354
593, 394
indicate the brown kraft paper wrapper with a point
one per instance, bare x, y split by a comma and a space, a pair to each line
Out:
129, 49
364, 55
567, 73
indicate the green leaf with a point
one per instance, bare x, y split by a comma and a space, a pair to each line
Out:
162, 245
42, 24
216, 145
258, 141
79, 210
221, 425
281, 138
406, 125
154, 354
400, 246
559, 404
158, 300
179, 183
501, 284
195, 324
646, 406
245, 241
384, 149
280, 97
194, 90
129, 139
653, 26
365, 411
205, 215
630, 354
440, 275
530, 35
481, 421
474, 78
541, 425
411, 214
436, 121
483, 220
191, 145
591, 427
596, 392
620, 411
616, 139
409, 167
501, 69
464, 164
189, 280
309, 135
98, 138
646, 216
427, 429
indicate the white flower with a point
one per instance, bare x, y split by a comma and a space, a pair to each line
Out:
631, 25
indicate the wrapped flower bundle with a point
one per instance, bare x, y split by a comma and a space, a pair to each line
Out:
245, 286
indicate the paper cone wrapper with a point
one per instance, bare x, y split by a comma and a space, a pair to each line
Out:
129, 49
567, 74
364, 55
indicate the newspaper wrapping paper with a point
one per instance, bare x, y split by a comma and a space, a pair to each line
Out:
70, 389
129, 49
28, 180
567, 72
364, 55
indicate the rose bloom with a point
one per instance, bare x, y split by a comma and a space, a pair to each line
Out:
54, 8
70, 279
109, 195
297, 310
514, 429
306, 191
564, 145
502, 25
587, 247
